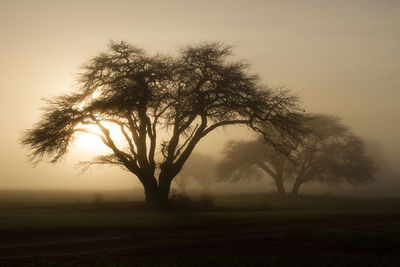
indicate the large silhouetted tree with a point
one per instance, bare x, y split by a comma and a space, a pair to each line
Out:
162, 105
328, 152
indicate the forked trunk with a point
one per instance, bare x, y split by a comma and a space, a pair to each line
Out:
296, 186
153, 197
280, 186
157, 193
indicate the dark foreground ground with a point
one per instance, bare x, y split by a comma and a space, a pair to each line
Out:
278, 232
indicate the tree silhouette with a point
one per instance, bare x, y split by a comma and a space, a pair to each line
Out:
328, 153
162, 105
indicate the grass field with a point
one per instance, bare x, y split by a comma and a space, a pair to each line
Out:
238, 230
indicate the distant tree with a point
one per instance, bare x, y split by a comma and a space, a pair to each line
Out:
181, 182
200, 168
162, 105
251, 160
328, 153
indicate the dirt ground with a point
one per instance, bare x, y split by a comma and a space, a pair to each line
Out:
350, 241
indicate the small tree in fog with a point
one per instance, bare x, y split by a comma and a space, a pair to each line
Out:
181, 182
200, 169
328, 153
162, 105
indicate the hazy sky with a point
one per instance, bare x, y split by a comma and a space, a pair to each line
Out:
341, 57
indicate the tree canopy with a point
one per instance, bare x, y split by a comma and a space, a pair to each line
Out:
163, 106
328, 153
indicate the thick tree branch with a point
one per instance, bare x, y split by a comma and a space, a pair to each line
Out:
223, 123
190, 137
125, 158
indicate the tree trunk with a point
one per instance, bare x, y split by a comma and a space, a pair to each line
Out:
164, 185
280, 186
296, 186
157, 193
152, 195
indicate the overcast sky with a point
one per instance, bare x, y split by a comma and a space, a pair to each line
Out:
341, 57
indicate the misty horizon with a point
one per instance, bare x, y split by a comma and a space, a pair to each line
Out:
339, 58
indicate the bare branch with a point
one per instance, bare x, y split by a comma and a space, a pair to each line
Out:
83, 130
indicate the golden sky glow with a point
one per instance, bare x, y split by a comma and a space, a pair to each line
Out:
341, 57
